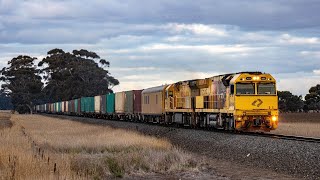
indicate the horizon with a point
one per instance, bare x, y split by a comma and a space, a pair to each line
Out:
168, 41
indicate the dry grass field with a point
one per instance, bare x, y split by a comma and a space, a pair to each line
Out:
5, 115
38, 147
299, 124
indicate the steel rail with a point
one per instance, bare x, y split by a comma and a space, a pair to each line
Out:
282, 136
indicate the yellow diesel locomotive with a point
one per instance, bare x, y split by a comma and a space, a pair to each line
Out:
244, 101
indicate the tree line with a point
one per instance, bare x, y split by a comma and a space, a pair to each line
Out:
293, 103
60, 76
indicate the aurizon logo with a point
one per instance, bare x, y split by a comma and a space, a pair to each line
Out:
257, 102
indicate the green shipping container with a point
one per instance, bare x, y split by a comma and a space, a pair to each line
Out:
128, 103
82, 103
91, 104
110, 103
87, 104
59, 106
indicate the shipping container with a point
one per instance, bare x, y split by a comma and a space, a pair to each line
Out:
110, 103
103, 104
97, 104
55, 107
47, 107
83, 104
71, 106
77, 106
87, 104
120, 102
63, 106
66, 106
91, 104
137, 101
59, 107
132, 102
74, 106
128, 102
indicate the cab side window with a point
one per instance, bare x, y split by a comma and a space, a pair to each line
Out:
232, 89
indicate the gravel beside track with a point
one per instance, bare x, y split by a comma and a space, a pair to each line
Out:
295, 158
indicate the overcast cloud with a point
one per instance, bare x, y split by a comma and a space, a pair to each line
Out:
155, 42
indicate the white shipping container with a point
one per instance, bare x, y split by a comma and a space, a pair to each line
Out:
97, 102
67, 104
62, 106
120, 100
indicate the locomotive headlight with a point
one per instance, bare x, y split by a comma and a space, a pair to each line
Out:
256, 78
274, 118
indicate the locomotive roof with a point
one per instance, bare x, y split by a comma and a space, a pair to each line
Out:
247, 72
154, 89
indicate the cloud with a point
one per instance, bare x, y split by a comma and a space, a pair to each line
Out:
127, 69
289, 39
315, 54
43, 9
257, 15
197, 29
316, 72
298, 83
167, 41
212, 49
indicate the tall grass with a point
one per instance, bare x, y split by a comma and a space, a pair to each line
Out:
39, 147
306, 129
5, 115
299, 124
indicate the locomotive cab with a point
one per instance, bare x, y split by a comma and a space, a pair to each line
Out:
253, 97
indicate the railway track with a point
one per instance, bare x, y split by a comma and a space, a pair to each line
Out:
259, 134
270, 135
284, 137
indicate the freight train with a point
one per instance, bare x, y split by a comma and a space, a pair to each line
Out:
244, 101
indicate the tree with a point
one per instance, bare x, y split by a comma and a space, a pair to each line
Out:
289, 102
22, 83
5, 102
313, 98
72, 75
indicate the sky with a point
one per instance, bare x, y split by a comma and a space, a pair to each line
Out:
155, 42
